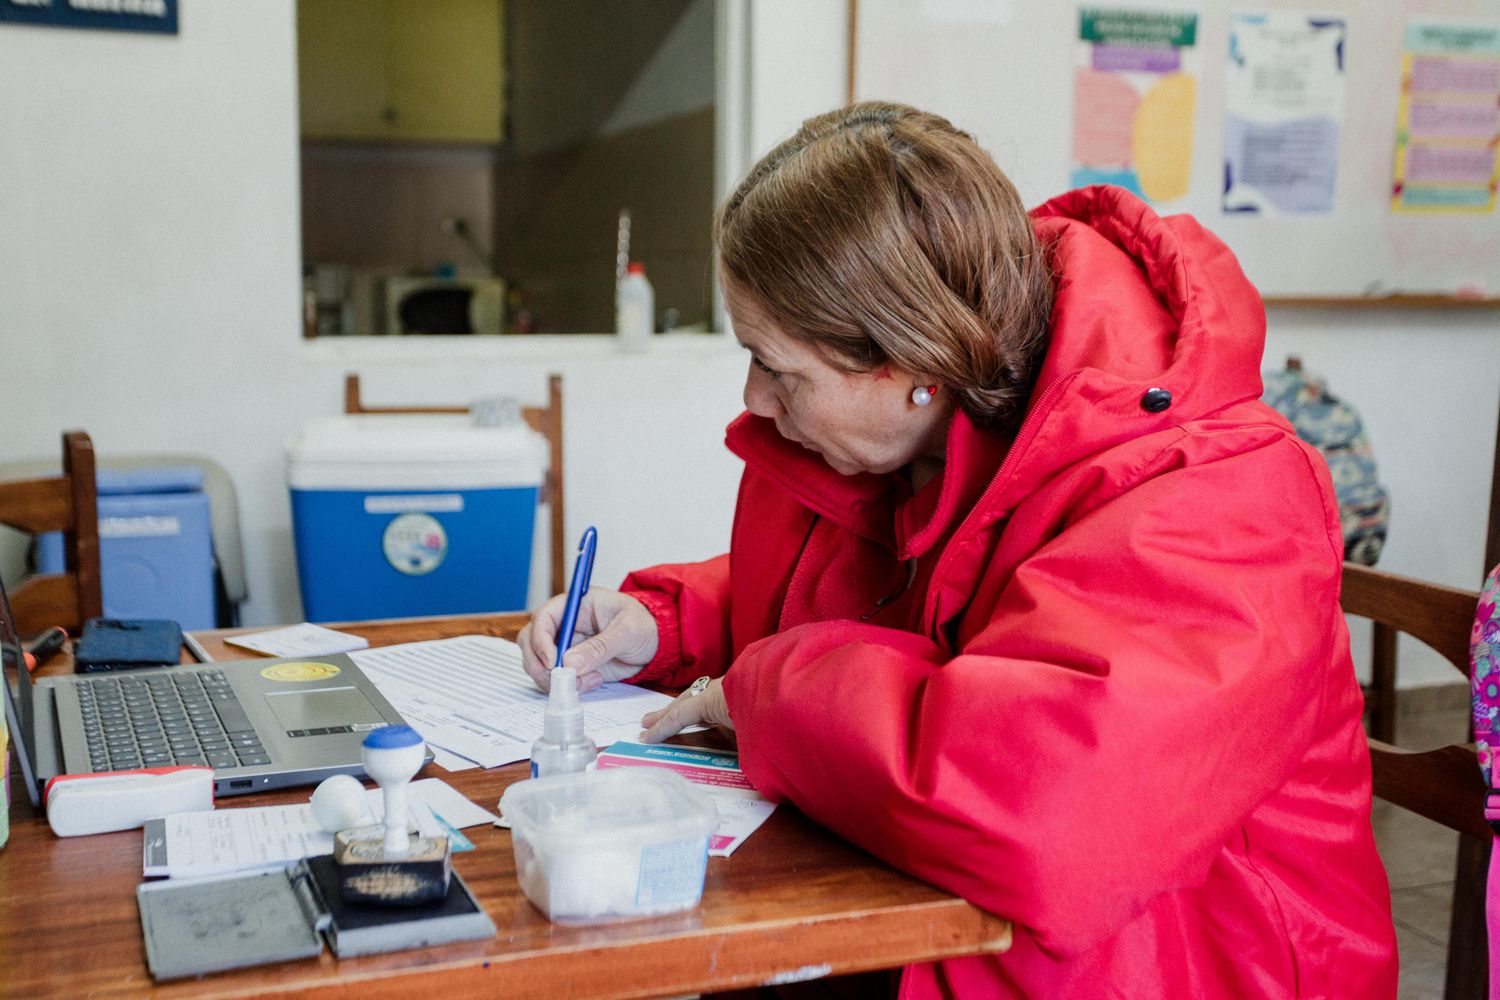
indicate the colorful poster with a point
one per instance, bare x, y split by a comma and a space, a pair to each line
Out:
1448, 121
1284, 106
1135, 88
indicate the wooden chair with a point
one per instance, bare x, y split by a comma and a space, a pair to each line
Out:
1380, 693
545, 420
66, 503
1444, 785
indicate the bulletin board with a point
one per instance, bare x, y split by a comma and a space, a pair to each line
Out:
1004, 71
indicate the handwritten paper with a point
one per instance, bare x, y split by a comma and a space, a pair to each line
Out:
470, 697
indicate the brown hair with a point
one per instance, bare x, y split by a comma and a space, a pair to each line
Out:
882, 233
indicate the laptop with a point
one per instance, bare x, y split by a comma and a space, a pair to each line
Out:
260, 724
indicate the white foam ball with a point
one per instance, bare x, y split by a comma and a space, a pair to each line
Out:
339, 803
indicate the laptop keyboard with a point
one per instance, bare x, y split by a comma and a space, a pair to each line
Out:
167, 720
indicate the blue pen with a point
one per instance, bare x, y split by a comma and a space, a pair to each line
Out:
583, 568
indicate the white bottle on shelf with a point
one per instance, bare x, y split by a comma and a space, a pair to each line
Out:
635, 309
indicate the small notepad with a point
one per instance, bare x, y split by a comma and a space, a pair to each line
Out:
300, 640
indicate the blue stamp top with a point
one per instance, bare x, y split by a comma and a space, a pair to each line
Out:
392, 737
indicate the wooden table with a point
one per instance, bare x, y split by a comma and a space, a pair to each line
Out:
795, 902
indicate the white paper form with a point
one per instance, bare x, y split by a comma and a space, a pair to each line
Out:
451, 761
299, 640
225, 840
471, 697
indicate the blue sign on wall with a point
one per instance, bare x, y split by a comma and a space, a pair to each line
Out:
115, 15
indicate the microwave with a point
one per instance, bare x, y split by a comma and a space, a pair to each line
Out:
433, 305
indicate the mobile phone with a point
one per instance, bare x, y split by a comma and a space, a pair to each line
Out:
127, 644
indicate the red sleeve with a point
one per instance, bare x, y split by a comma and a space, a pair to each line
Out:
1140, 684
690, 602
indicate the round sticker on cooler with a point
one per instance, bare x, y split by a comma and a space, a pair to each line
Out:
299, 670
414, 544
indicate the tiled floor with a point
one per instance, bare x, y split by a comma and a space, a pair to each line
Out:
1419, 857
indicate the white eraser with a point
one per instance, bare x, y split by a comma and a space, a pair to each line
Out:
80, 804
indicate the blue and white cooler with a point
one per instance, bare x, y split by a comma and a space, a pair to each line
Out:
398, 515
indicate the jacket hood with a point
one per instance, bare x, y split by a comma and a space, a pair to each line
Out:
1142, 304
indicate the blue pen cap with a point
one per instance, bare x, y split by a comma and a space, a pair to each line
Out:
392, 738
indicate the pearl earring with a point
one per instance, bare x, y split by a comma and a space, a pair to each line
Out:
922, 394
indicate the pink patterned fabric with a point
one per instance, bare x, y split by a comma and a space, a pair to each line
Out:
1484, 655
1484, 660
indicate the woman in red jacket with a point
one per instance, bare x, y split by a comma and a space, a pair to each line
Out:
1027, 594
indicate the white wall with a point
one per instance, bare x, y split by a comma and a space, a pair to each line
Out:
1427, 386
149, 217
150, 294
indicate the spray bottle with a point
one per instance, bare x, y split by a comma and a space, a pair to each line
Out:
563, 748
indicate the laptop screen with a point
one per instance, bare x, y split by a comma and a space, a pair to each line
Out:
17, 682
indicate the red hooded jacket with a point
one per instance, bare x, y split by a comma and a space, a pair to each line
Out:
1095, 678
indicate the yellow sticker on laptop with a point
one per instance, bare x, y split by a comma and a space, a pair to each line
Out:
299, 670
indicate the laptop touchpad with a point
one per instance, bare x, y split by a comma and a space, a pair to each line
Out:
322, 708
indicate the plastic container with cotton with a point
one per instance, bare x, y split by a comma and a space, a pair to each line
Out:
610, 845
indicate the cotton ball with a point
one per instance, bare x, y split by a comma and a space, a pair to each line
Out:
339, 803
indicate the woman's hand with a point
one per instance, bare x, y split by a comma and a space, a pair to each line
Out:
692, 707
620, 639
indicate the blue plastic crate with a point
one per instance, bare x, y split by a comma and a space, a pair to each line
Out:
156, 556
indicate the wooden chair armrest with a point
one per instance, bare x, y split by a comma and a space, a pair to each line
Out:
1443, 785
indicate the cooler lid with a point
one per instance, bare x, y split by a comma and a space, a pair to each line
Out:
410, 451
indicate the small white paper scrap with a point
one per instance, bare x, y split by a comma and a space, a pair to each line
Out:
225, 840
300, 640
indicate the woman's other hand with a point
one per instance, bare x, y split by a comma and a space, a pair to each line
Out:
703, 707
615, 636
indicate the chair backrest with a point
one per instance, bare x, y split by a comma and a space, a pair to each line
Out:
1443, 785
546, 421
66, 503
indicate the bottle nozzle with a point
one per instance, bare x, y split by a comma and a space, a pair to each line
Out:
563, 720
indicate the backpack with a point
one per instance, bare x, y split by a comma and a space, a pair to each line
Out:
1484, 662
1333, 427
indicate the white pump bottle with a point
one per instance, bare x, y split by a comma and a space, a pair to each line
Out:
563, 748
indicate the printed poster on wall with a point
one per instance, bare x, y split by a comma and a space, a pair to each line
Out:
1448, 119
1284, 106
1135, 88
158, 16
